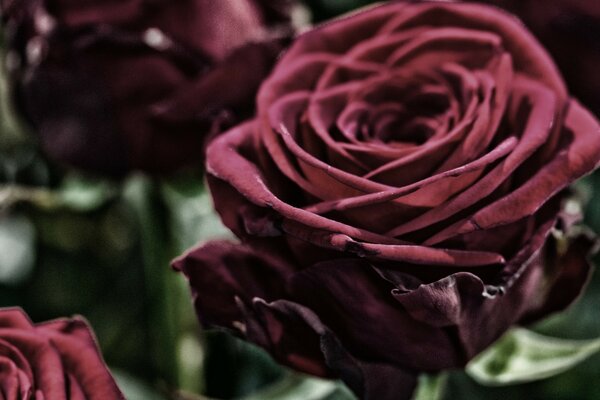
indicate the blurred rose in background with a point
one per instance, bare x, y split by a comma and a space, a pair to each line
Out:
110, 86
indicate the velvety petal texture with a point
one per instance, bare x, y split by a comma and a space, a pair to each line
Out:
401, 197
111, 86
55, 360
570, 30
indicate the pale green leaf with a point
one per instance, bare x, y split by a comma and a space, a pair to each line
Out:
431, 387
10, 129
524, 356
76, 193
80, 193
133, 389
299, 387
17, 248
193, 218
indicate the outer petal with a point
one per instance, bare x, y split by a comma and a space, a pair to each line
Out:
569, 29
569, 268
228, 282
82, 361
369, 380
221, 272
357, 304
56, 360
14, 318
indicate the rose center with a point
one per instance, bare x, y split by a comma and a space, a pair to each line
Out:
399, 113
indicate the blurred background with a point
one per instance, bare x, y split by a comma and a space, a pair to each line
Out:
72, 243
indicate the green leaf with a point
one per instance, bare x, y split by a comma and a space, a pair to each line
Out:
431, 387
234, 368
17, 248
10, 129
76, 193
160, 282
192, 213
299, 387
133, 389
80, 193
524, 356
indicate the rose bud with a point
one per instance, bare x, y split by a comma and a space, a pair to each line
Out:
111, 86
55, 360
570, 30
401, 197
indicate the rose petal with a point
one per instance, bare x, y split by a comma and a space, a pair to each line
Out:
577, 158
356, 304
78, 350
537, 129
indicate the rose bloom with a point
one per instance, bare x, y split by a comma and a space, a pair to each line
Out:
570, 30
55, 360
401, 197
115, 85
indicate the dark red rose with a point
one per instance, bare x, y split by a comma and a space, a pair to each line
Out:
111, 86
570, 30
401, 197
55, 360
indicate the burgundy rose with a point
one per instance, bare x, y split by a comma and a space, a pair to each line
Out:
111, 86
570, 30
54, 360
401, 197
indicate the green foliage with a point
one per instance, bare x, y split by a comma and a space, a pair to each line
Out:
75, 193
17, 248
298, 387
192, 217
234, 368
523, 356
10, 129
134, 389
431, 387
